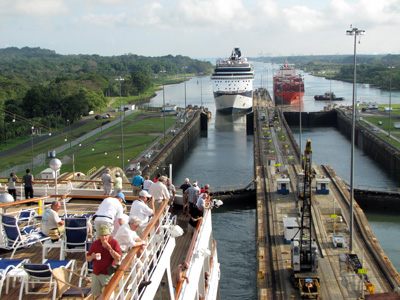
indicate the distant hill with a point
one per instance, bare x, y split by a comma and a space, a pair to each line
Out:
335, 59
40, 65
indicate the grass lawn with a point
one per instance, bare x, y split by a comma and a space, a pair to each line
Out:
136, 139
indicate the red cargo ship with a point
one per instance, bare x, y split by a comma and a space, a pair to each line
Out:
288, 85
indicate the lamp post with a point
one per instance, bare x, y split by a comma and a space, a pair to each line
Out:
355, 32
119, 79
70, 135
390, 97
163, 98
184, 74
32, 128
55, 165
301, 155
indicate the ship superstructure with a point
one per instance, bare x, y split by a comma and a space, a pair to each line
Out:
233, 83
288, 85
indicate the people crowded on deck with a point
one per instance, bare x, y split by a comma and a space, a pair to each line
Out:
141, 209
195, 215
137, 182
178, 274
104, 252
192, 193
117, 183
185, 196
202, 201
171, 190
127, 237
147, 183
28, 181
52, 220
107, 180
109, 210
159, 191
12, 180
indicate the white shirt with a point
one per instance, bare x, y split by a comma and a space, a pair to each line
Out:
126, 237
142, 211
111, 208
159, 191
146, 184
201, 202
50, 220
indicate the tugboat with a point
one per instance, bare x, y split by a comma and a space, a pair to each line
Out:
328, 96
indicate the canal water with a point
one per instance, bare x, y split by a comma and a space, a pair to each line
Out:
225, 157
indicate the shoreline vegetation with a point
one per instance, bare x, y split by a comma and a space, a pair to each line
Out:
380, 71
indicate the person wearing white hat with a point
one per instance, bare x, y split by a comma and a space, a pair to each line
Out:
109, 210
140, 209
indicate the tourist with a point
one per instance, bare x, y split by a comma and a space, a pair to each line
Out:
171, 190
137, 182
178, 274
156, 178
147, 183
109, 210
192, 194
184, 187
11, 185
27, 179
117, 183
141, 210
159, 191
104, 252
51, 219
202, 201
127, 237
206, 188
195, 215
106, 179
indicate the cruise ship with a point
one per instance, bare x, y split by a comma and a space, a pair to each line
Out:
233, 83
148, 276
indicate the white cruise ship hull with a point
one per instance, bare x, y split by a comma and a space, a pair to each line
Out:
233, 102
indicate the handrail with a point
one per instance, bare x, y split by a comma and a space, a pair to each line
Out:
117, 277
30, 200
189, 254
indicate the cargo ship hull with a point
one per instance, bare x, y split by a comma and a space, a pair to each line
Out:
288, 85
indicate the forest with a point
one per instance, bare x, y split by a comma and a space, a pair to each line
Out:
40, 86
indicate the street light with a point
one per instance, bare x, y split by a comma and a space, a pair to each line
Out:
184, 74
55, 165
301, 155
120, 79
355, 32
32, 128
390, 96
163, 98
70, 135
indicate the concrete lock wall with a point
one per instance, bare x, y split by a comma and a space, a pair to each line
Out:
174, 152
372, 145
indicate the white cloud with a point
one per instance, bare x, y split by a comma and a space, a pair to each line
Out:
212, 12
39, 8
302, 18
103, 20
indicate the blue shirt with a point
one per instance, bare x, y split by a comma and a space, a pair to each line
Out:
137, 180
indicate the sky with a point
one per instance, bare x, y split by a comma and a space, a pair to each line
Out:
201, 28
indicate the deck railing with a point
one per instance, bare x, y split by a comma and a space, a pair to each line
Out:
149, 233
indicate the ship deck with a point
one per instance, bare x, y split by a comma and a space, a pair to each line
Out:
34, 253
